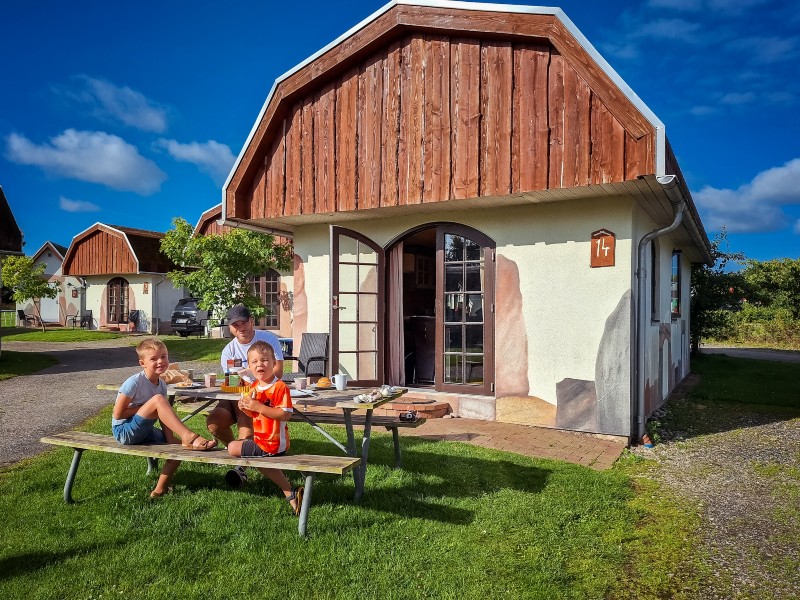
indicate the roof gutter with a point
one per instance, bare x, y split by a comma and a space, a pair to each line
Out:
239, 224
669, 184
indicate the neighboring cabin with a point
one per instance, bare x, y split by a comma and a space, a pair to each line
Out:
467, 186
123, 274
271, 287
10, 234
66, 303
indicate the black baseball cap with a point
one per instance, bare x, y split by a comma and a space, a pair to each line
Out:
238, 313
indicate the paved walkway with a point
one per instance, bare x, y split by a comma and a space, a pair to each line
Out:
539, 442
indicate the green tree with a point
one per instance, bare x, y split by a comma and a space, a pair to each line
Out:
774, 284
715, 290
215, 268
27, 281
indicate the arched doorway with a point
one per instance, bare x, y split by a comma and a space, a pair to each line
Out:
440, 302
117, 301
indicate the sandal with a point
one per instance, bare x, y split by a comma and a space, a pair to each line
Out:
206, 445
297, 496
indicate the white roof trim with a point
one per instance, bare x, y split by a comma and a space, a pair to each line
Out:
507, 8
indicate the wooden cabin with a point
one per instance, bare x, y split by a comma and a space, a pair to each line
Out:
123, 274
272, 287
467, 186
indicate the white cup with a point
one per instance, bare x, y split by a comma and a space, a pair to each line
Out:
340, 381
210, 379
300, 383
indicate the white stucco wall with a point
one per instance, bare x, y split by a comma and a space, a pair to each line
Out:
157, 303
566, 304
666, 339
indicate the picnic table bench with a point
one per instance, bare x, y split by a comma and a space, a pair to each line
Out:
307, 464
328, 418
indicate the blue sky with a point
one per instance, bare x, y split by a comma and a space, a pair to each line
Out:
133, 113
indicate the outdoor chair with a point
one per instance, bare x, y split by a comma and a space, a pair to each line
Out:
24, 319
313, 358
86, 319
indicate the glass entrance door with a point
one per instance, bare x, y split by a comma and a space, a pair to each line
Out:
357, 307
465, 310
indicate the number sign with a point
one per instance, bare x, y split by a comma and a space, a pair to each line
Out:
603, 246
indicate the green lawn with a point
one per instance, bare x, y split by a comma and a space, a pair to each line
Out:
19, 334
203, 349
13, 364
457, 521
730, 379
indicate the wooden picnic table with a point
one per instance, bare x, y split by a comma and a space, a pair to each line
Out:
317, 406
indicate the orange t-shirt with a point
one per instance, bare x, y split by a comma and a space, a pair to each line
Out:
271, 435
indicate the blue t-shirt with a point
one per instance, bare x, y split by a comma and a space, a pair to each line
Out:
139, 389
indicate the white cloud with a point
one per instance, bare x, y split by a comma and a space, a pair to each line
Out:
797, 227
75, 206
753, 207
670, 29
738, 98
212, 157
702, 110
92, 156
767, 50
122, 103
687, 5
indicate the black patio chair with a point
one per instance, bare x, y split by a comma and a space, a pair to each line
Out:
25, 319
313, 358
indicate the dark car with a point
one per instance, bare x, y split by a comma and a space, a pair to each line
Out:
187, 318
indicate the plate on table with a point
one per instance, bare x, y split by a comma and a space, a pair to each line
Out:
185, 385
301, 393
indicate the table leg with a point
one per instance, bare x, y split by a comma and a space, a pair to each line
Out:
398, 457
73, 469
152, 465
362, 468
306, 505
358, 478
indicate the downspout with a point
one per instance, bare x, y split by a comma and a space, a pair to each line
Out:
669, 183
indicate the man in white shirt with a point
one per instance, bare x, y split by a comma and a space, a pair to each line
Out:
227, 412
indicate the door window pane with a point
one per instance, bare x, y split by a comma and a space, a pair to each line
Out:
474, 277
452, 368
454, 277
367, 255
473, 250
348, 249
367, 307
348, 278
347, 337
452, 338
453, 247
368, 279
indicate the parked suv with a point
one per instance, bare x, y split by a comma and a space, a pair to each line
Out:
187, 318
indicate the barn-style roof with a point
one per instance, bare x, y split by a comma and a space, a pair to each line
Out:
115, 250
10, 234
467, 104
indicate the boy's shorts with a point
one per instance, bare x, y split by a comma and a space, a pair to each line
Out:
252, 450
138, 430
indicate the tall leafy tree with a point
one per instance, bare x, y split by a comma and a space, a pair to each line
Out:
714, 289
774, 283
215, 268
27, 281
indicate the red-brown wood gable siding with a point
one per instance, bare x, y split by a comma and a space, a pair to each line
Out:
100, 253
432, 118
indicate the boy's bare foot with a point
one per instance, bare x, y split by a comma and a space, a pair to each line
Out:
157, 494
204, 444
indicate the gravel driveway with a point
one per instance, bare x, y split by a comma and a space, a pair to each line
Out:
60, 397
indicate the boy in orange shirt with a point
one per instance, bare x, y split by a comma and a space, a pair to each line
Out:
269, 403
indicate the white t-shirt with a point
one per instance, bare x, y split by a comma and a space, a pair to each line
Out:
234, 350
